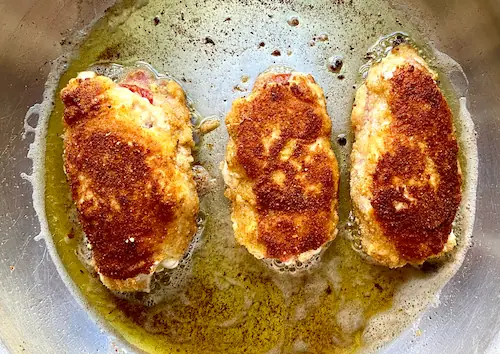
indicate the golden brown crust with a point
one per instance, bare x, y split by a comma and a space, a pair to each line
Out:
129, 174
420, 112
405, 178
296, 211
131, 207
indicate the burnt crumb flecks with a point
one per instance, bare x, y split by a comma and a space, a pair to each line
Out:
328, 290
65, 41
110, 53
321, 38
399, 40
342, 139
209, 40
293, 21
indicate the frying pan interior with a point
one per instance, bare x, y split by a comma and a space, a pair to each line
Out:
210, 46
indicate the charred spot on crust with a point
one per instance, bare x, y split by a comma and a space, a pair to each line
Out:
421, 227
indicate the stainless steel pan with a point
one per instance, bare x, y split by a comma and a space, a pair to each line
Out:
38, 314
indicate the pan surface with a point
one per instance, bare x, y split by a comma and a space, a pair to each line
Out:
216, 49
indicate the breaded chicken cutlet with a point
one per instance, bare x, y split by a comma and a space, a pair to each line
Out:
127, 157
405, 176
280, 170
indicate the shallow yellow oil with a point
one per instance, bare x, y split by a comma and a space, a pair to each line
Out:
229, 301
